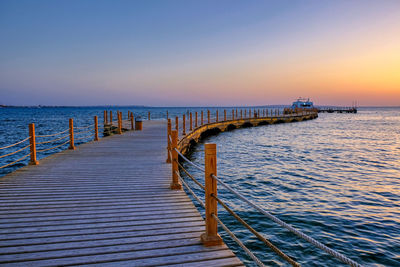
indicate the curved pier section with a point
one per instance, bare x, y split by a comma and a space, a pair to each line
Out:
188, 140
209, 202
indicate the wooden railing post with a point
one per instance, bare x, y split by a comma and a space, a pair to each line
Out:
105, 117
111, 120
132, 126
224, 114
245, 113
210, 237
236, 114
169, 129
167, 115
148, 115
71, 134
201, 118
32, 140
119, 114
195, 120
191, 122
96, 129
176, 123
216, 116
175, 184
208, 117
183, 124
241, 114
233, 114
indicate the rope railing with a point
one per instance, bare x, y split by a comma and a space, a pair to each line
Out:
191, 176
84, 137
188, 161
237, 240
54, 147
53, 140
83, 132
50, 135
12, 153
17, 143
257, 234
84, 127
172, 148
191, 191
91, 131
300, 234
12, 163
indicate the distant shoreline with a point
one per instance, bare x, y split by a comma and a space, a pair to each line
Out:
143, 106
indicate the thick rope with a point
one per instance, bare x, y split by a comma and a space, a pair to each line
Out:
240, 243
188, 161
12, 163
50, 135
84, 137
53, 140
12, 153
17, 143
46, 149
191, 191
82, 132
257, 234
191, 177
84, 127
291, 228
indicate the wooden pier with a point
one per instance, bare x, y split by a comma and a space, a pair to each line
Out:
105, 203
337, 110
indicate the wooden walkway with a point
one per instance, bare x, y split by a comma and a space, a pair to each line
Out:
106, 203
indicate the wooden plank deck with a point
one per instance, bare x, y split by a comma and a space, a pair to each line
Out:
106, 203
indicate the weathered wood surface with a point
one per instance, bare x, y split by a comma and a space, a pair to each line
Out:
106, 203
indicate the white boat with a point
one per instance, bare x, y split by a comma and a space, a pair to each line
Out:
303, 104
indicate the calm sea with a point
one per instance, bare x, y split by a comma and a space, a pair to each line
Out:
336, 178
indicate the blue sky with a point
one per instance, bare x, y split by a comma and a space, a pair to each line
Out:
167, 53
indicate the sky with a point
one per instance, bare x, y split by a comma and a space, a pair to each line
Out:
199, 53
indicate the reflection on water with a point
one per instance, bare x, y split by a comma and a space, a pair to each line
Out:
337, 178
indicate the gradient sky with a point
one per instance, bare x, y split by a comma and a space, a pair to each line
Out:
196, 53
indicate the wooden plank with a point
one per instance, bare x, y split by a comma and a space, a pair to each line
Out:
105, 203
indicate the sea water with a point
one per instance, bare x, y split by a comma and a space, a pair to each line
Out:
336, 178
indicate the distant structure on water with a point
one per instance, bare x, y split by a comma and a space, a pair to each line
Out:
302, 104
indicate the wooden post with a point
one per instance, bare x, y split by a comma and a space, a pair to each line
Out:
169, 129
210, 237
167, 115
195, 120
119, 122
32, 140
105, 117
216, 119
96, 129
111, 117
241, 114
132, 127
71, 134
249, 112
201, 118
208, 117
233, 114
191, 122
245, 113
177, 123
184, 124
175, 184
148, 115
224, 114
236, 114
